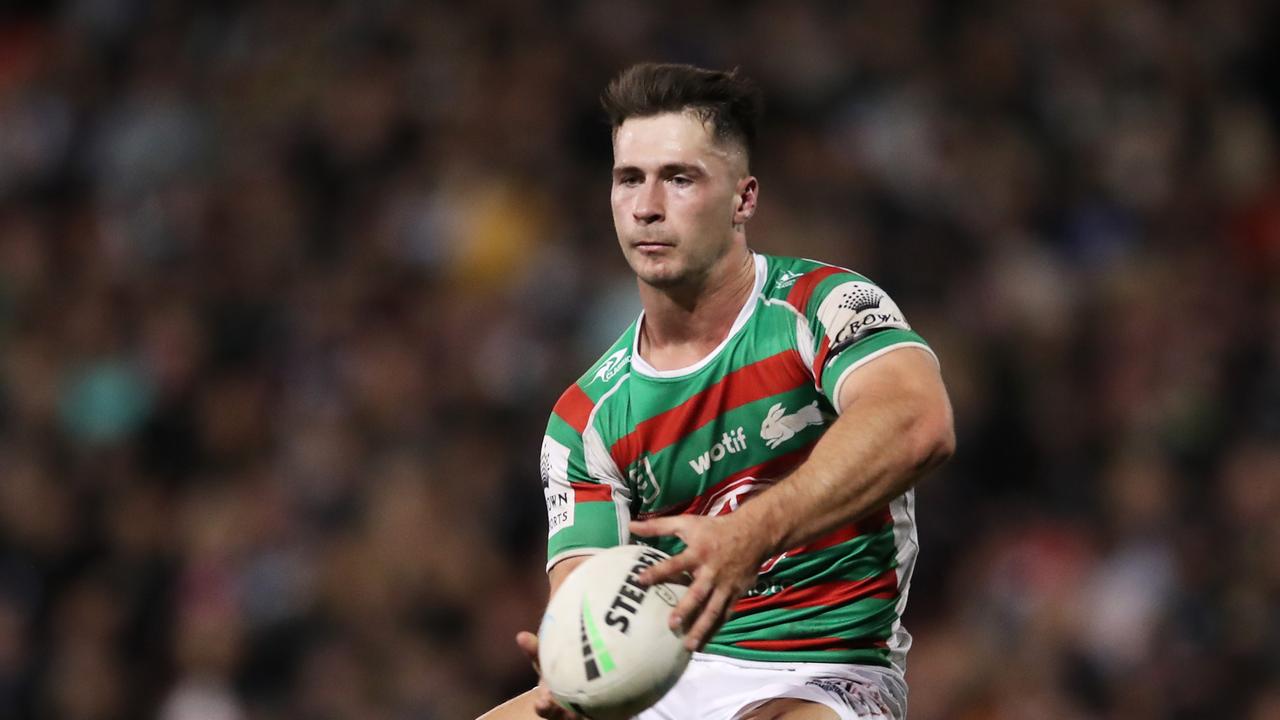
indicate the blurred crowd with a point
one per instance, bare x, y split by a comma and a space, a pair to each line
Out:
288, 288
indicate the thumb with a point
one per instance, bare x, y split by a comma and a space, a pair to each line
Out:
657, 526
528, 643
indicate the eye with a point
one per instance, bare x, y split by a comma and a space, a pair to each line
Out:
681, 181
629, 180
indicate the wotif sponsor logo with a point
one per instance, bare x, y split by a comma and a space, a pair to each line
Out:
731, 442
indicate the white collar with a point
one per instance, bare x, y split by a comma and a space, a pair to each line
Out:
641, 366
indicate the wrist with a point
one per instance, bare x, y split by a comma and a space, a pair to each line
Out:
763, 527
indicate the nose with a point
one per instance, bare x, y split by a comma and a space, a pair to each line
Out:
649, 207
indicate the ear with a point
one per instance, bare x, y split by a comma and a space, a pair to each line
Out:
744, 200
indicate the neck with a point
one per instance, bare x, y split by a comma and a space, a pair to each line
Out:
700, 315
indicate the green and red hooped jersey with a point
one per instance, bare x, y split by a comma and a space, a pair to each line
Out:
629, 441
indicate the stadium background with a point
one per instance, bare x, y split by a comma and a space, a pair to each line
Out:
287, 290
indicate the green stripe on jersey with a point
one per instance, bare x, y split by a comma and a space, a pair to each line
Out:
595, 525
856, 619
862, 557
874, 343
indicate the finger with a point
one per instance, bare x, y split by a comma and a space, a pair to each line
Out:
690, 605
712, 617
672, 569
545, 706
528, 643
654, 527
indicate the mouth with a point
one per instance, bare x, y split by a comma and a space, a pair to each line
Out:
651, 245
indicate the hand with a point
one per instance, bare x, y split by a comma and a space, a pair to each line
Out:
722, 553
543, 705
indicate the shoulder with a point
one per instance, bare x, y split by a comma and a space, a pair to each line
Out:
798, 281
578, 401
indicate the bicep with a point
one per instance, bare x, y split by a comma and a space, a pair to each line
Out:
904, 388
907, 371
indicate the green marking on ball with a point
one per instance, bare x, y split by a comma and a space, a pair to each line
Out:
597, 643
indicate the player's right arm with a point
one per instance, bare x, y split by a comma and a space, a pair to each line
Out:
588, 501
588, 509
537, 702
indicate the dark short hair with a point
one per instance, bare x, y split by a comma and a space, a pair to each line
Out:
729, 101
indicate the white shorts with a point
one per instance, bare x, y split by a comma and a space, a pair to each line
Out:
715, 687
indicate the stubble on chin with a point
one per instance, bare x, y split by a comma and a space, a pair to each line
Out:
669, 276
660, 275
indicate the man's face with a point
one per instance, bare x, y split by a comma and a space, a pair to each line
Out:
676, 197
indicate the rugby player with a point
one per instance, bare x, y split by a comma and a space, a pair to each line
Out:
764, 420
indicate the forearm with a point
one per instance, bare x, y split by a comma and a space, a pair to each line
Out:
887, 439
560, 571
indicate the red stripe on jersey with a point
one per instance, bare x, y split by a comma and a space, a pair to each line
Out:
839, 592
761, 379
800, 293
872, 523
574, 407
823, 643
591, 492
769, 471
867, 525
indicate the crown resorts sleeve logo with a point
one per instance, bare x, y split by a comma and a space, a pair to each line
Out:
779, 427
860, 299
856, 309
554, 467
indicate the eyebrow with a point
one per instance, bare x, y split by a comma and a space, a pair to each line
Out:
666, 170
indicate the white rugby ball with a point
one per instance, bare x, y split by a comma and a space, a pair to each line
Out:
604, 646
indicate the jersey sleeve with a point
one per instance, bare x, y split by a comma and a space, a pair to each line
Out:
588, 504
851, 321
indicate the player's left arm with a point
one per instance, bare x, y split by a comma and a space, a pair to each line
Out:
895, 426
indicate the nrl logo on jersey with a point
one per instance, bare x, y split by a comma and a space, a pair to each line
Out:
612, 365
644, 481
779, 427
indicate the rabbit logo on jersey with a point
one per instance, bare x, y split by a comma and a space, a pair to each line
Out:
779, 427
854, 309
554, 466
